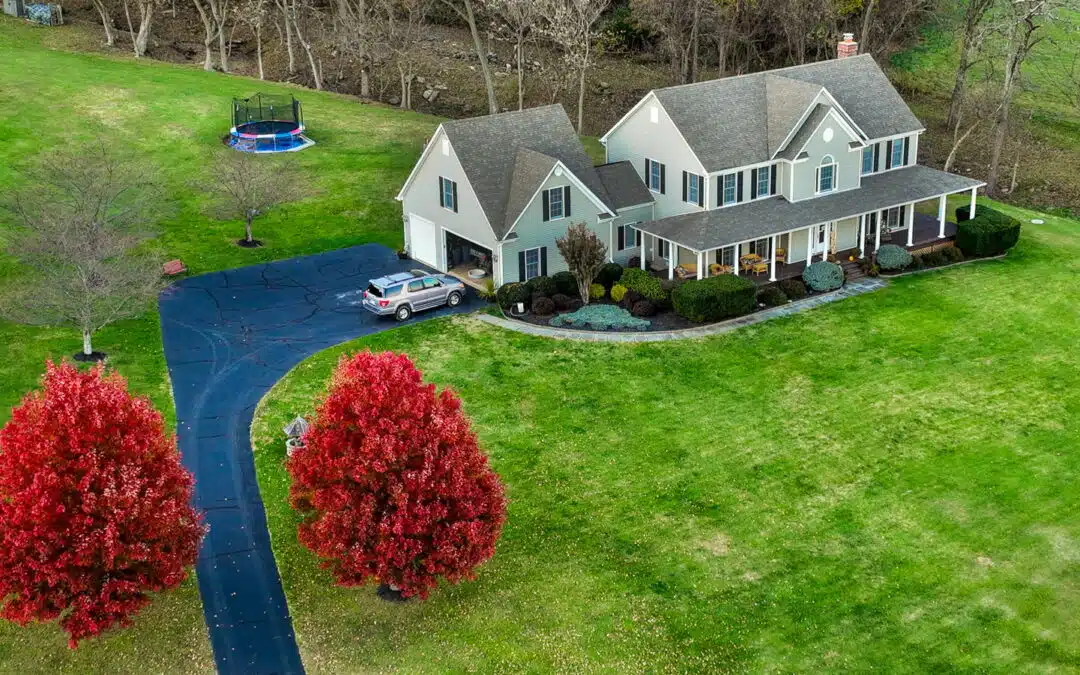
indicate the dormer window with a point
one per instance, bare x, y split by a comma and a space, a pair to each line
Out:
729, 192
868, 160
897, 154
826, 174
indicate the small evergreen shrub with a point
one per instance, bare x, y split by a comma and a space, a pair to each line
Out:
953, 254
917, 262
562, 302
934, 259
964, 213
633, 263
893, 257
772, 296
629, 298
575, 304
609, 275
794, 289
510, 294
644, 283
643, 308
565, 283
617, 292
824, 276
597, 292
988, 233
543, 306
544, 286
600, 317
714, 298
669, 286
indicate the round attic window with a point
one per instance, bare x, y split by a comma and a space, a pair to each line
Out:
828, 134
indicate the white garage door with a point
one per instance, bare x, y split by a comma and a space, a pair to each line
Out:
423, 241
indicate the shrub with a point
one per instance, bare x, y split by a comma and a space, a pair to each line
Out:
617, 292
576, 304
643, 308
584, 253
609, 275
391, 485
934, 259
565, 283
823, 276
964, 213
600, 317
629, 299
714, 298
953, 254
510, 294
597, 292
893, 257
544, 286
644, 283
634, 262
772, 296
95, 507
562, 302
917, 262
988, 233
669, 286
488, 293
794, 289
542, 306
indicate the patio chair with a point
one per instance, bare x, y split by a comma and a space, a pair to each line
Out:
686, 271
715, 269
760, 267
781, 255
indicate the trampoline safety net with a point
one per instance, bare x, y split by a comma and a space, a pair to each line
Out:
263, 107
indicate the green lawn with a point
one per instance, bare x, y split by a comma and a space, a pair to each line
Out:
890, 481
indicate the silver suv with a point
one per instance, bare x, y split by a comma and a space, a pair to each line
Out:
403, 293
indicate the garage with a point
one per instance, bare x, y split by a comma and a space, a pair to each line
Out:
467, 260
423, 241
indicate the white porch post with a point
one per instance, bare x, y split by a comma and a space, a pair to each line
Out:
828, 241
673, 251
971, 210
911, 224
809, 246
611, 241
700, 265
862, 235
641, 253
877, 233
772, 260
941, 217
735, 258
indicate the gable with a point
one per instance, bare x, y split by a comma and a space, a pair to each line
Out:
584, 205
821, 120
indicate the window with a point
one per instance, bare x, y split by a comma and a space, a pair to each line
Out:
416, 286
727, 256
730, 189
764, 176
663, 248
897, 158
654, 115
827, 174
532, 263
431, 282
654, 175
760, 247
555, 203
893, 218
694, 188
446, 147
448, 194
868, 160
629, 237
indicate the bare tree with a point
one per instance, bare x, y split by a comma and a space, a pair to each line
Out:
585, 254
284, 9
300, 15
80, 221
970, 43
680, 25
405, 21
252, 13
572, 25
464, 10
1060, 77
106, 21
146, 9
215, 16
364, 36
518, 18
246, 186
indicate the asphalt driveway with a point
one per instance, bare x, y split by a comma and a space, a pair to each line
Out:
228, 337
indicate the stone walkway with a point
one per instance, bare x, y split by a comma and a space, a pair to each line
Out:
857, 287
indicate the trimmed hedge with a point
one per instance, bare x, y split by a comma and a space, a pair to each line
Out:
954, 254
964, 213
543, 306
544, 286
824, 276
565, 283
990, 232
893, 257
772, 296
715, 298
562, 301
644, 283
643, 308
795, 289
510, 294
609, 275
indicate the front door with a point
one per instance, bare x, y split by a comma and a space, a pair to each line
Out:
817, 241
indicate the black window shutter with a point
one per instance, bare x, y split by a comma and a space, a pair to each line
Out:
700, 190
663, 179
454, 185
738, 197
719, 190
521, 265
543, 261
907, 149
622, 237
566, 201
441, 193
648, 174
772, 187
877, 146
684, 186
888, 155
903, 212
753, 184
547, 206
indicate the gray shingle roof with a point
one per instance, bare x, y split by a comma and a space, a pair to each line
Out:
623, 185
732, 121
786, 100
487, 148
716, 228
530, 170
817, 116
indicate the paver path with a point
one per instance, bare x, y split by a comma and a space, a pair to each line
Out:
228, 337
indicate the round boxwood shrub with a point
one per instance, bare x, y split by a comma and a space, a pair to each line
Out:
643, 308
953, 254
934, 259
562, 302
917, 262
988, 233
565, 283
823, 276
510, 294
597, 292
617, 292
772, 296
644, 283
630, 298
714, 298
893, 257
794, 289
575, 304
609, 275
543, 306
544, 286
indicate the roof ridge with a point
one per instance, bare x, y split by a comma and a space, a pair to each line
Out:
772, 71
508, 113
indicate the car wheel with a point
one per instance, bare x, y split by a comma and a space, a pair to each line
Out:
454, 299
403, 313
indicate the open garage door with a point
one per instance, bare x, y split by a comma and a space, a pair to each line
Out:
423, 241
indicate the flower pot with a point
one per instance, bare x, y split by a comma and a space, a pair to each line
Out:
292, 445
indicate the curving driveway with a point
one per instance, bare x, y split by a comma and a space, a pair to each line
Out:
228, 337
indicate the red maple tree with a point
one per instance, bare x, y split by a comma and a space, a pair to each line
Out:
391, 482
95, 507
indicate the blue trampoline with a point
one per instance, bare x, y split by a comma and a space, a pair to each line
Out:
268, 124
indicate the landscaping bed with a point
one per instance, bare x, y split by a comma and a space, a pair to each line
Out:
990, 234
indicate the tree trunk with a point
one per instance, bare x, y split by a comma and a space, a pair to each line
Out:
258, 50
867, 24
288, 36
521, 69
956, 146
146, 12
316, 72
106, 22
694, 43
223, 41
1001, 124
87, 347
131, 27
581, 87
208, 35
247, 229
1015, 174
493, 103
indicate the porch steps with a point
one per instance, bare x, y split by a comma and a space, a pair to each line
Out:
852, 271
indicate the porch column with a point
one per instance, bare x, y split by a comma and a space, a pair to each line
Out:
673, 251
877, 234
772, 260
911, 224
862, 235
611, 241
700, 265
735, 258
941, 217
641, 252
828, 241
809, 246
971, 210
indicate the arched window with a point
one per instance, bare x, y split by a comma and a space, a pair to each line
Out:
826, 175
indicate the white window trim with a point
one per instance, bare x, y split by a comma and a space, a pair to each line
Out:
699, 184
660, 176
539, 265
562, 205
768, 185
723, 189
835, 178
443, 180
637, 235
661, 244
862, 161
898, 164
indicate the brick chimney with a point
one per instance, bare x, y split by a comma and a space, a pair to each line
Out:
848, 47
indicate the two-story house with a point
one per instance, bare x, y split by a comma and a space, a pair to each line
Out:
779, 168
